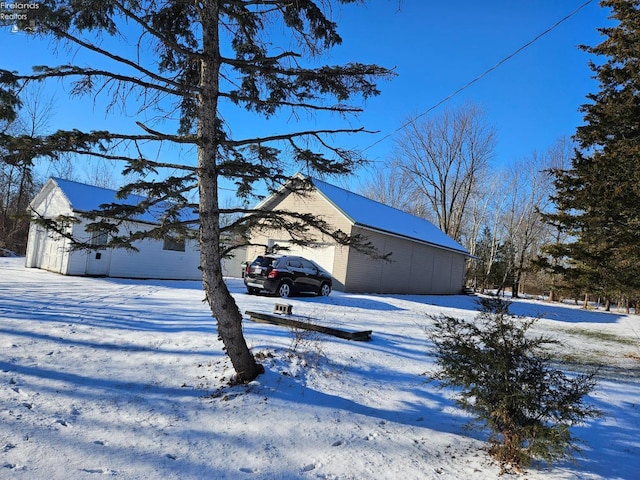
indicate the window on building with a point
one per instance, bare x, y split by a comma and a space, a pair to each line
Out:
173, 243
100, 238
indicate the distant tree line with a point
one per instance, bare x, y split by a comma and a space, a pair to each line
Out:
18, 182
565, 222
441, 169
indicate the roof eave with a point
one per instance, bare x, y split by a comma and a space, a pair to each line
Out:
413, 239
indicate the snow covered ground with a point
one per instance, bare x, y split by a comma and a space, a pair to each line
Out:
127, 379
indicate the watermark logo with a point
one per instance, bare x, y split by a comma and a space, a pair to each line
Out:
21, 16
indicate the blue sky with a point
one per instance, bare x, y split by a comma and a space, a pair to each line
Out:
435, 48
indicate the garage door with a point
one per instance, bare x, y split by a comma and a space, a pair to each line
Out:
321, 253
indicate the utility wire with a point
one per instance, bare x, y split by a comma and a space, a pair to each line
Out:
479, 77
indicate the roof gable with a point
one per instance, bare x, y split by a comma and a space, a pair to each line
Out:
368, 213
50, 200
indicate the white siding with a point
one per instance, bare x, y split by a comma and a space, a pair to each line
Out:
76, 260
44, 249
52, 252
51, 202
151, 261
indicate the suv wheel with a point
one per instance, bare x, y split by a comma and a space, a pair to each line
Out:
284, 290
325, 290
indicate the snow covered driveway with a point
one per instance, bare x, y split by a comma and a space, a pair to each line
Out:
127, 379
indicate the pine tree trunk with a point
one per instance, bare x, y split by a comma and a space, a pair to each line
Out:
222, 304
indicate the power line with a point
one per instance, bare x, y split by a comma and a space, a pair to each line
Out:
479, 77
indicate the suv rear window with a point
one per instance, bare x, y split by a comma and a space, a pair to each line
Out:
262, 261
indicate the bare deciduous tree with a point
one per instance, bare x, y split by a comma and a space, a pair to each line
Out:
390, 186
528, 189
17, 182
444, 158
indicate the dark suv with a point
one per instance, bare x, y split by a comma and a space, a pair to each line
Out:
286, 274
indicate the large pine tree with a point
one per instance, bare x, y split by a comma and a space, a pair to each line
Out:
179, 69
598, 198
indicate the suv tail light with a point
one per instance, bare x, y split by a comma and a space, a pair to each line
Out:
273, 273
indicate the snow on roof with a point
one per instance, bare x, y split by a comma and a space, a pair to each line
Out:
86, 198
360, 210
365, 212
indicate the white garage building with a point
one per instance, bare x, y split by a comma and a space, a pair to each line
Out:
161, 259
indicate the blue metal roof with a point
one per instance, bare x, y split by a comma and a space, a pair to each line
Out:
86, 198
